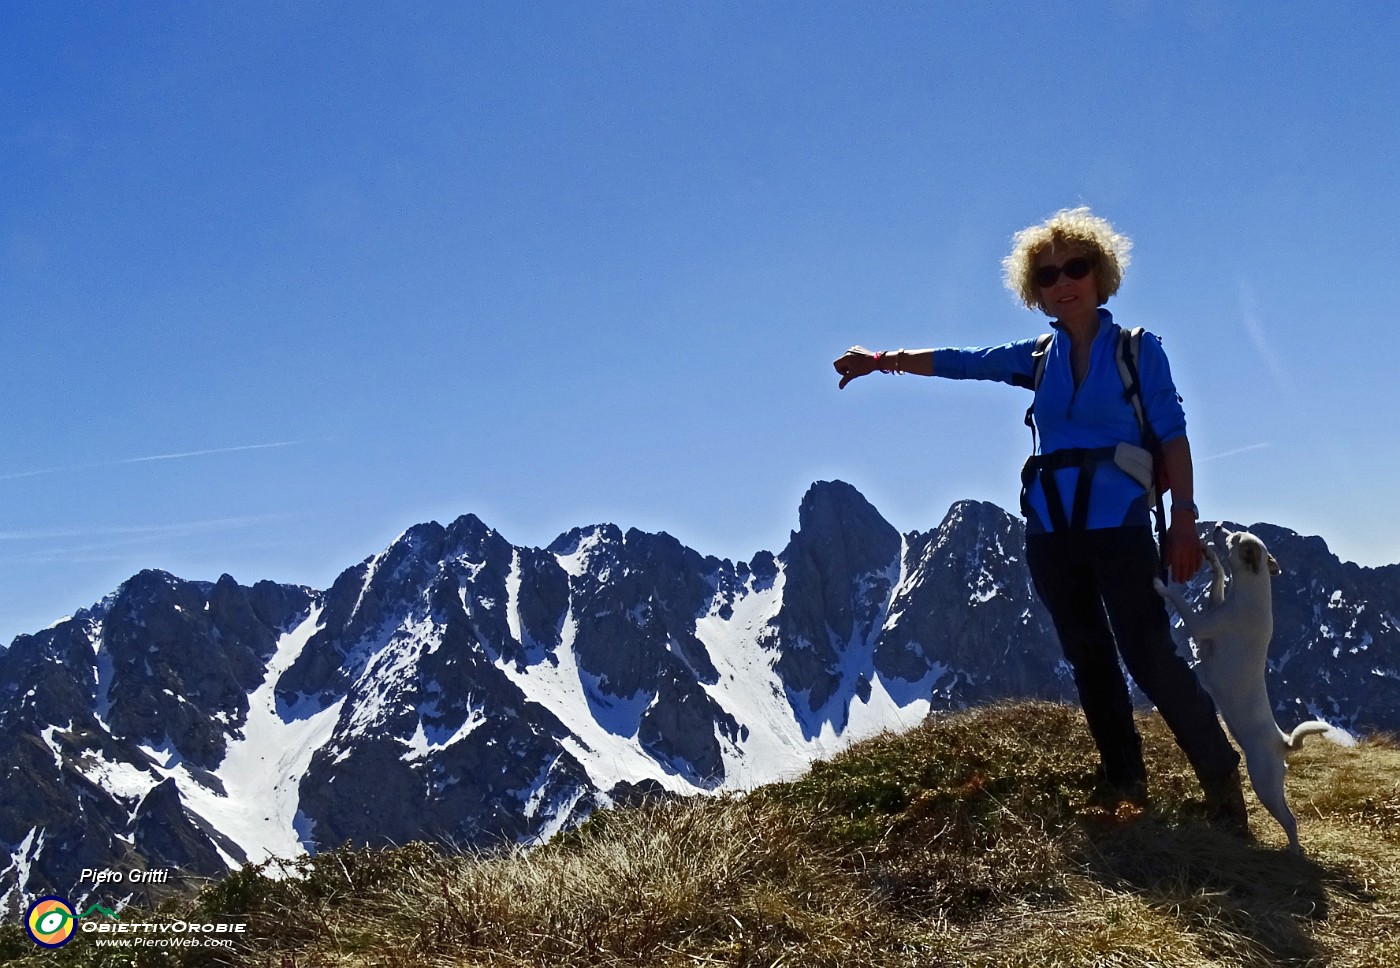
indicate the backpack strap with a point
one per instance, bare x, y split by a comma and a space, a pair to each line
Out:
1126, 355
1032, 382
1128, 350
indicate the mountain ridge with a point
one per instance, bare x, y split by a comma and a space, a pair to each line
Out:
457, 687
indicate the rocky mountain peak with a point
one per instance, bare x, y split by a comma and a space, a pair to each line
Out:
459, 687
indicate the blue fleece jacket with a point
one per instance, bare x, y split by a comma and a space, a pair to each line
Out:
1093, 415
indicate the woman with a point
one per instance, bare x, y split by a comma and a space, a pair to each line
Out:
1089, 539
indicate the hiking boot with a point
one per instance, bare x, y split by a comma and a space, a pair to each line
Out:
1112, 795
1225, 803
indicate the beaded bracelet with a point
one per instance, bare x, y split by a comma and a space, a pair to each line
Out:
880, 359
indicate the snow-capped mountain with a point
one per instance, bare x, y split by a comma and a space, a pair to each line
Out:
458, 687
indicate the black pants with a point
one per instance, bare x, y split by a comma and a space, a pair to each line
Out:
1097, 585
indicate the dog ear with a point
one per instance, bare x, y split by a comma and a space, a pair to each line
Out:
1274, 569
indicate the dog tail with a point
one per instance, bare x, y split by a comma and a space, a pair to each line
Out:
1302, 732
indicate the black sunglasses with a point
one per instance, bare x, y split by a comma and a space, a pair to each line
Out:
1076, 268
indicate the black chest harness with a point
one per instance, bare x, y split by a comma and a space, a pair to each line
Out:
1139, 462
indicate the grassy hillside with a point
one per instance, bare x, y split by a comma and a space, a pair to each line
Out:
965, 841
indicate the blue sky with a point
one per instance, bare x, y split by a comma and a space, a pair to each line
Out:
279, 280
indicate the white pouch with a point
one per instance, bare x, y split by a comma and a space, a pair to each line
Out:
1137, 463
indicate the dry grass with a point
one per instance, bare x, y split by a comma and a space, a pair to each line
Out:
965, 841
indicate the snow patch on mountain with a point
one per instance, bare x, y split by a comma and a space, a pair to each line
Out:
427, 741
17, 871
575, 563
749, 688
262, 770
124, 781
608, 754
387, 682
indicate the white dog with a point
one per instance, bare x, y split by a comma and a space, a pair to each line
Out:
1232, 644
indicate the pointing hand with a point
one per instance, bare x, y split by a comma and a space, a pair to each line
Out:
856, 361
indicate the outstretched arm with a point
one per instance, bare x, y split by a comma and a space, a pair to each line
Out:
859, 361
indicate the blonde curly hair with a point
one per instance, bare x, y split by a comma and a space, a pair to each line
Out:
1076, 227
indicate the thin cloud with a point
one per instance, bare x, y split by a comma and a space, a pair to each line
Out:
143, 531
1254, 327
1237, 451
216, 450
81, 556
119, 551
153, 457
